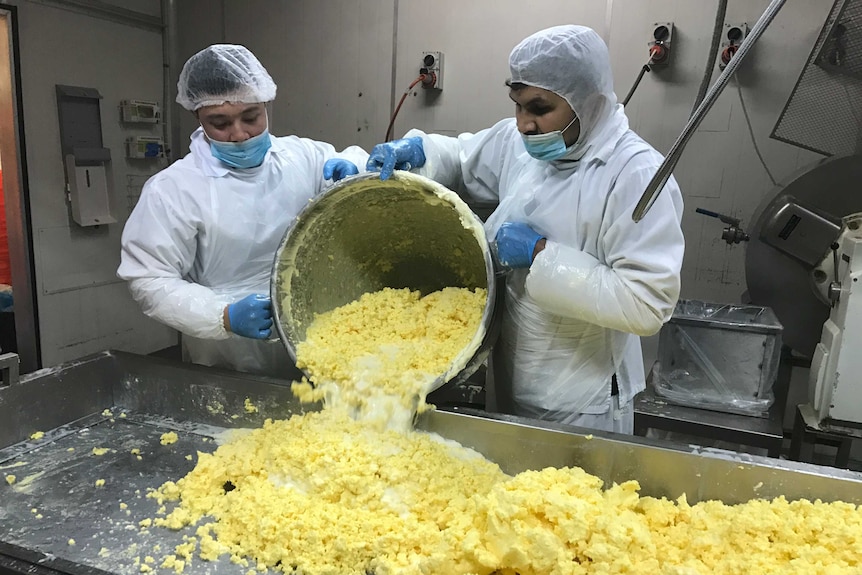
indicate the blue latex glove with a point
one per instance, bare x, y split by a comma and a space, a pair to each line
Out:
251, 316
336, 169
516, 242
404, 154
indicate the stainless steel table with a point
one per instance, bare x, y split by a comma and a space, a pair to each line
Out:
652, 412
808, 432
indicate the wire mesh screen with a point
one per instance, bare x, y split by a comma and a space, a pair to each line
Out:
824, 111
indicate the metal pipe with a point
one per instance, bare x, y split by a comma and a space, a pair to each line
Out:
645, 68
106, 11
718, 26
664, 171
170, 118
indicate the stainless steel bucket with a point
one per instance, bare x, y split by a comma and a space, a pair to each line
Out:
362, 235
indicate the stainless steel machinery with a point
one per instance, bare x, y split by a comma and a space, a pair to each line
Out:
123, 402
802, 261
808, 231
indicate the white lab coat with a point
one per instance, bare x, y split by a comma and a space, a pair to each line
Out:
204, 235
573, 319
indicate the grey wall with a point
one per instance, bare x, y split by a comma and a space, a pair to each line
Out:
331, 60
83, 307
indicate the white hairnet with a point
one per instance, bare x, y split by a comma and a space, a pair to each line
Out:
573, 62
223, 73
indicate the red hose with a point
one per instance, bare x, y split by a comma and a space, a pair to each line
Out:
398, 107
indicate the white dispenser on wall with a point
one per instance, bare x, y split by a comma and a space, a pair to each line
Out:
87, 162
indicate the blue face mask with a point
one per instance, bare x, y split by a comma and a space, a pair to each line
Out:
548, 146
247, 154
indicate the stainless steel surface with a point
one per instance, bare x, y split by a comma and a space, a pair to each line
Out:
66, 403
661, 468
652, 412
60, 485
362, 235
664, 171
723, 316
199, 403
775, 279
822, 112
799, 231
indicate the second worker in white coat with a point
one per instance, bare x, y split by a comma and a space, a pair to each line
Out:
587, 281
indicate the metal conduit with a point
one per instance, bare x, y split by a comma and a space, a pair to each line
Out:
718, 26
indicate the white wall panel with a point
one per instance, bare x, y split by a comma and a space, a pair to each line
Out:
332, 62
82, 306
90, 257
199, 24
82, 322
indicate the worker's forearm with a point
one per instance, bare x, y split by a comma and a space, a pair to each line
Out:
191, 308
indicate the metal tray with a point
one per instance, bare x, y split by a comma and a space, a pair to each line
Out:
199, 404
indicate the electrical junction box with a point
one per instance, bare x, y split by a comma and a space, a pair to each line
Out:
144, 147
140, 111
432, 64
731, 40
661, 39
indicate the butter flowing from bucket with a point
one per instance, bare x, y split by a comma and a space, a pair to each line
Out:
377, 358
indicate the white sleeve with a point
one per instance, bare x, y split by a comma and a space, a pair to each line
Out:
469, 164
320, 152
636, 288
159, 244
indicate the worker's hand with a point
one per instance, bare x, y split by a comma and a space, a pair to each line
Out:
404, 154
250, 317
516, 244
337, 169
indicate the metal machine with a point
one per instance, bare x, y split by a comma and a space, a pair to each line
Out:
801, 252
804, 257
830, 394
802, 261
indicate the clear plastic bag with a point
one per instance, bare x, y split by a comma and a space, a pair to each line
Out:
721, 357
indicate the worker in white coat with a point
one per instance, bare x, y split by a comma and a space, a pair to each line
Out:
586, 280
198, 248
